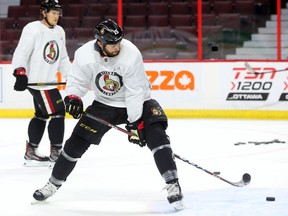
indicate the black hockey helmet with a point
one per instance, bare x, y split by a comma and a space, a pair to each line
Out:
48, 5
108, 32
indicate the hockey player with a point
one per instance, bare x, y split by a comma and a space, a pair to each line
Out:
40, 54
113, 68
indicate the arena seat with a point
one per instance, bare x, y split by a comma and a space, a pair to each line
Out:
135, 21
180, 8
17, 11
158, 8
90, 21
136, 9
157, 20
8, 23
181, 20
223, 7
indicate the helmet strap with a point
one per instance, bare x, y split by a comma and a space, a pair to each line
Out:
99, 49
50, 26
46, 20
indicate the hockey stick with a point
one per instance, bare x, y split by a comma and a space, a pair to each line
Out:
248, 67
46, 84
246, 178
109, 124
243, 182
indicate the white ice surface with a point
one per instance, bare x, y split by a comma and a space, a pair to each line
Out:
121, 179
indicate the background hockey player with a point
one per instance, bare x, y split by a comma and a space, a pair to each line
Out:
113, 68
40, 54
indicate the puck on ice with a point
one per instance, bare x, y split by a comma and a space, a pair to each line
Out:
216, 173
270, 198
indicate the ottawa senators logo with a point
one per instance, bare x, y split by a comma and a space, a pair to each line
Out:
109, 83
51, 52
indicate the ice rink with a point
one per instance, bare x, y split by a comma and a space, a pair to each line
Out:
121, 179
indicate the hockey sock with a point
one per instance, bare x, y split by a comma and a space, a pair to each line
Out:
74, 148
36, 130
56, 130
159, 144
164, 160
63, 168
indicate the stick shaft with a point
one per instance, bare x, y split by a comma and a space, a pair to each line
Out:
46, 84
276, 71
205, 170
109, 124
248, 67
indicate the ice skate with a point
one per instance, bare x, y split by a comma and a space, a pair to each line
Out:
45, 192
54, 154
175, 196
33, 158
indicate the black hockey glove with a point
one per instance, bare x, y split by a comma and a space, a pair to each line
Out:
74, 106
21, 79
137, 128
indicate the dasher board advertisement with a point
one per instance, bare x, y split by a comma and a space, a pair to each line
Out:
189, 86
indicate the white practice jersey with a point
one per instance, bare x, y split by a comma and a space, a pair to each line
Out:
42, 52
118, 81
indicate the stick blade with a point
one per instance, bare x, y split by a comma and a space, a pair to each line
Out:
246, 178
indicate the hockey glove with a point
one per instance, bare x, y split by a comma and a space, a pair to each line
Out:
21, 79
74, 106
137, 128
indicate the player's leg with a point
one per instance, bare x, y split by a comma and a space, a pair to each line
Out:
56, 111
73, 149
36, 130
86, 131
56, 134
159, 144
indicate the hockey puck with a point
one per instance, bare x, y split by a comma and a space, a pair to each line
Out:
216, 173
270, 198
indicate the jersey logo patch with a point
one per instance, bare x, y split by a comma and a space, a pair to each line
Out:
51, 52
109, 83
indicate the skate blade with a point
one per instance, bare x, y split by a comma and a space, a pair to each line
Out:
37, 202
33, 163
178, 205
51, 165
